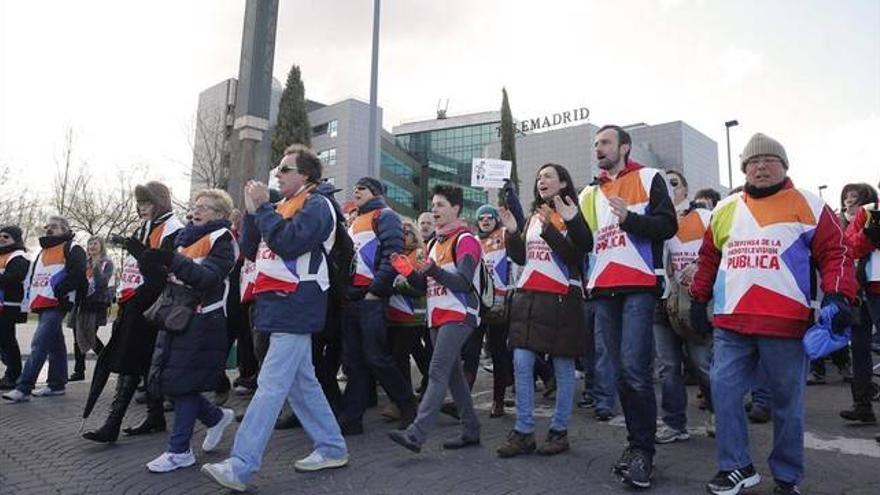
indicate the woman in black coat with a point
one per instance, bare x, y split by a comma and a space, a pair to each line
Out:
190, 360
131, 342
546, 313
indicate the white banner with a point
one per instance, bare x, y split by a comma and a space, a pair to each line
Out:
489, 173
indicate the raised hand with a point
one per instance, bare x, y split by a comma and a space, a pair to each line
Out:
566, 207
508, 220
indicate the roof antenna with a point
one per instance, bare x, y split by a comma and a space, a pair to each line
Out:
441, 112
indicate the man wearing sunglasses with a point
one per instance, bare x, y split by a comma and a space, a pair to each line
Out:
57, 273
377, 234
13, 270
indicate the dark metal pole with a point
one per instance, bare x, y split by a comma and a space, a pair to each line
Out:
372, 169
729, 167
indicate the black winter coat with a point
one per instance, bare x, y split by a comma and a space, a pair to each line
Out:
193, 360
12, 284
132, 339
551, 323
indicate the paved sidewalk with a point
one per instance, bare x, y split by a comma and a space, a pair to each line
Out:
41, 452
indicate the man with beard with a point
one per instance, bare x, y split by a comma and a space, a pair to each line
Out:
630, 215
756, 261
55, 275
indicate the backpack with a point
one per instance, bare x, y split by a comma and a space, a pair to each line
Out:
486, 291
340, 256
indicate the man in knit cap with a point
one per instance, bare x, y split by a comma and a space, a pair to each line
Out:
13, 270
377, 234
755, 261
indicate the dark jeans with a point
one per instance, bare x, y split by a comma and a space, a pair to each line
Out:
862, 362
79, 357
502, 356
404, 342
10, 353
626, 324
365, 350
327, 358
470, 355
239, 322
187, 409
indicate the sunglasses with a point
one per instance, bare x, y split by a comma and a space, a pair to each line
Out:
486, 217
283, 169
5, 236
360, 188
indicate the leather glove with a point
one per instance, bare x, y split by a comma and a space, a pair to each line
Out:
134, 247
843, 319
699, 317
157, 256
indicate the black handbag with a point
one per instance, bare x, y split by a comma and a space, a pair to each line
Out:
174, 308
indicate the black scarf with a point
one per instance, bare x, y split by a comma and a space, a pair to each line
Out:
763, 192
12, 247
192, 232
48, 241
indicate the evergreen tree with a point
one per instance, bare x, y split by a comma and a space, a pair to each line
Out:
508, 139
293, 120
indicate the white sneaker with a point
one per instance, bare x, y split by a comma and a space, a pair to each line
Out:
222, 474
666, 434
169, 462
47, 392
316, 462
16, 396
215, 433
242, 390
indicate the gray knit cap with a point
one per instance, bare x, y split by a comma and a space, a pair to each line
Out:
761, 144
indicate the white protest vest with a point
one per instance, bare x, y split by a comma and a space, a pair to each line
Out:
444, 305
684, 246
246, 281
46, 273
275, 274
544, 270
197, 252
130, 277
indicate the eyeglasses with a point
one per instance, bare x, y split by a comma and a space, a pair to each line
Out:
5, 236
360, 188
486, 217
52, 226
200, 208
763, 160
283, 169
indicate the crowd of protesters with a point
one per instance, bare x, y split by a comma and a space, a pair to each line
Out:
631, 281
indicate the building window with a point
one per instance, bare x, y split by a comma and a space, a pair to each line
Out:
332, 128
320, 130
328, 157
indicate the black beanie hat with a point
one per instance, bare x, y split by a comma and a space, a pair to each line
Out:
375, 187
14, 231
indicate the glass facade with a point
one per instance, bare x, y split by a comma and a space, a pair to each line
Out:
448, 154
400, 174
328, 157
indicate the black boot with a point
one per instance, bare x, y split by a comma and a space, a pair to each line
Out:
154, 422
109, 431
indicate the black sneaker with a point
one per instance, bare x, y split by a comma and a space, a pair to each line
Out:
639, 470
731, 482
785, 488
603, 415
622, 463
77, 376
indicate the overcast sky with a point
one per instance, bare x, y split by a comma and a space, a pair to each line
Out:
125, 76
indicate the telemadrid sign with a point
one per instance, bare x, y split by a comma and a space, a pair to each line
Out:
552, 120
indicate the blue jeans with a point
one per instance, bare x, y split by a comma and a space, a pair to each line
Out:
187, 409
365, 350
784, 363
760, 390
287, 374
674, 397
625, 321
524, 382
604, 388
48, 342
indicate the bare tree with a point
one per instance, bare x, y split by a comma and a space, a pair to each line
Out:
91, 207
18, 204
210, 143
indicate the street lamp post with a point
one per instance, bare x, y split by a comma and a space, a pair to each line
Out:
822, 188
373, 132
728, 125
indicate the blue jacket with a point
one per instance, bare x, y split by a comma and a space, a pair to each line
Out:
389, 232
305, 310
